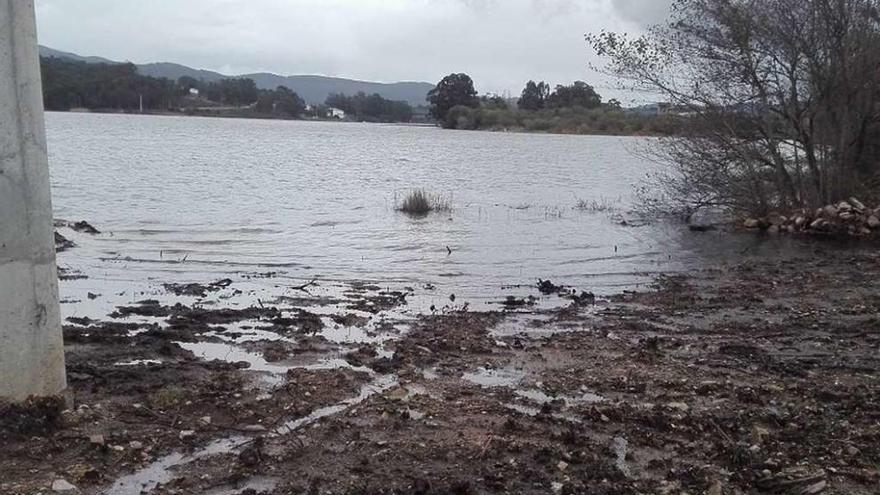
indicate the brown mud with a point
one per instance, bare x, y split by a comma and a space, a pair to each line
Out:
759, 377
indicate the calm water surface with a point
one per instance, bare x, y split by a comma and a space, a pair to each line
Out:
193, 199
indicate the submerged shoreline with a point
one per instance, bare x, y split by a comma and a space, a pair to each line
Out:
757, 375
245, 115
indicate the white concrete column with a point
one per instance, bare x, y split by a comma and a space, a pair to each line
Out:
31, 347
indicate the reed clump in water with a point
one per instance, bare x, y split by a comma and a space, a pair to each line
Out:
420, 202
602, 205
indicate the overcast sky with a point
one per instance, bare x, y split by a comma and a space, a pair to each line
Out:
500, 43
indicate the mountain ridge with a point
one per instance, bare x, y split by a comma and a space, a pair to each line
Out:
314, 89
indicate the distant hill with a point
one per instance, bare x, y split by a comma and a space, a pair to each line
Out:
50, 52
313, 89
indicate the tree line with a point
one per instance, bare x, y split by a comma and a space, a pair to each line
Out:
371, 108
572, 108
69, 84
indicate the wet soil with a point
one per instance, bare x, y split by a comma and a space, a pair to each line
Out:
758, 377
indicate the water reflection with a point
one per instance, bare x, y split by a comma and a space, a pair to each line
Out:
191, 199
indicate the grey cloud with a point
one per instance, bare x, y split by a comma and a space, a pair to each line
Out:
501, 43
643, 12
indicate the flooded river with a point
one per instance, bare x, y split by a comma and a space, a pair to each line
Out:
196, 199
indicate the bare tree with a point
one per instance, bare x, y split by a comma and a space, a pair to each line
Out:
779, 99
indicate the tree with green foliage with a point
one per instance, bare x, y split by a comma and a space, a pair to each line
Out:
579, 94
371, 108
281, 101
453, 90
534, 96
232, 91
493, 102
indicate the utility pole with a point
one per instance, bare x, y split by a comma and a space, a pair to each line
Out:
31, 347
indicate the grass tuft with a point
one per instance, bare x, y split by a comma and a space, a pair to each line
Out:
420, 202
603, 205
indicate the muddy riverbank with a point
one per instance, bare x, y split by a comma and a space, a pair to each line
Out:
754, 377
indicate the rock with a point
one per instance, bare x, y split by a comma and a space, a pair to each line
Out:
97, 440
135, 445
829, 211
84, 227
707, 219
253, 428
397, 393
62, 486
858, 205
864, 231
815, 488
852, 450
873, 221
751, 223
759, 433
800, 221
62, 243
844, 206
184, 434
846, 216
678, 406
562, 465
205, 420
817, 224
716, 489
774, 229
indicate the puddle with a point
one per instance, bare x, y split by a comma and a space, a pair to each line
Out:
520, 324
541, 397
258, 485
376, 386
534, 411
621, 446
241, 336
273, 372
531, 326
160, 471
210, 351
502, 377
525, 410
138, 362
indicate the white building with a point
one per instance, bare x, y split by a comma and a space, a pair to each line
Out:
335, 113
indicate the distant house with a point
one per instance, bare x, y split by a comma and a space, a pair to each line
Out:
194, 92
335, 113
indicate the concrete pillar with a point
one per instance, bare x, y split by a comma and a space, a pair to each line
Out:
31, 347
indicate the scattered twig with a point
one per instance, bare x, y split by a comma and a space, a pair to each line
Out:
305, 286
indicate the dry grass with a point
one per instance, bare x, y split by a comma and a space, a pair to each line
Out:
602, 205
421, 202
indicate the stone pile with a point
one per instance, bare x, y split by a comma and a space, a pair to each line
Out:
850, 218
